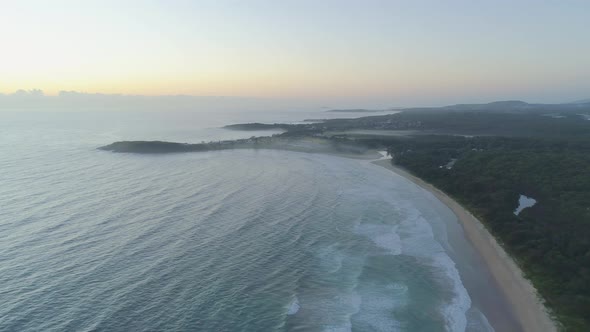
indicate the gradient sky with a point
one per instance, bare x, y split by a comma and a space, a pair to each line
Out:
396, 52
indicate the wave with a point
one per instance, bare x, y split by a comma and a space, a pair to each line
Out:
378, 303
331, 258
455, 310
477, 322
384, 236
418, 241
228, 245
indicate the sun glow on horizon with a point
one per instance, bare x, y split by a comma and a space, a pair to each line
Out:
297, 49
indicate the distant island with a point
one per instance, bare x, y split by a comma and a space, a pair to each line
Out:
484, 156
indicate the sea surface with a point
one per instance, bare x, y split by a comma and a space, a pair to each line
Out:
245, 240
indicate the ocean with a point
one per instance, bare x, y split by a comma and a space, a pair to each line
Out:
244, 240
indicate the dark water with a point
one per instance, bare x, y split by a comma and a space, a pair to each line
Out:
218, 241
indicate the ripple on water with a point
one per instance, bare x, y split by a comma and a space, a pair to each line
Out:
225, 241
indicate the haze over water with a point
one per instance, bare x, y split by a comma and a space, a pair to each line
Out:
248, 240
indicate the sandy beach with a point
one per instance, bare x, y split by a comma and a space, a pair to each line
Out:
519, 292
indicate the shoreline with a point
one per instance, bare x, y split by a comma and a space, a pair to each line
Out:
517, 290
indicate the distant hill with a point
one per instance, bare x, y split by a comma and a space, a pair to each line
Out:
507, 105
512, 106
502, 106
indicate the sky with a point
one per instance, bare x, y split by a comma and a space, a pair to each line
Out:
330, 52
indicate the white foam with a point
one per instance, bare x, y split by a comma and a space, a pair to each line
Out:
384, 155
384, 236
407, 233
477, 322
331, 311
331, 258
417, 239
455, 309
378, 304
523, 203
294, 306
397, 287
